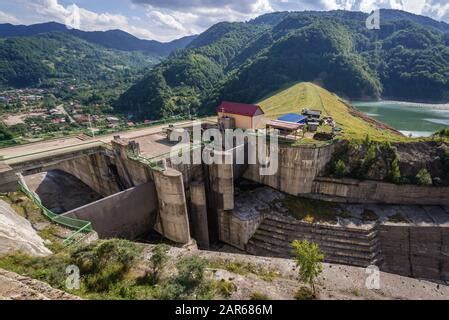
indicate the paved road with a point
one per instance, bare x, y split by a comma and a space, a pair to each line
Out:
73, 142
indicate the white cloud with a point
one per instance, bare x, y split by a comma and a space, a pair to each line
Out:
8, 18
169, 19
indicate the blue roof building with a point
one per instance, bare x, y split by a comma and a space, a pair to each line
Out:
293, 117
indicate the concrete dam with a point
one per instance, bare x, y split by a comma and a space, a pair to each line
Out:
128, 188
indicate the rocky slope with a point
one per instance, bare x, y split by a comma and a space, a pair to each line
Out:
17, 234
17, 287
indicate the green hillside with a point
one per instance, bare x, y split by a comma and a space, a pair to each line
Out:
37, 60
308, 95
407, 59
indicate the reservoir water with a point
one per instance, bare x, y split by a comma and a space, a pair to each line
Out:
416, 119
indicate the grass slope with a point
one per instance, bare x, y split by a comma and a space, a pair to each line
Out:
308, 95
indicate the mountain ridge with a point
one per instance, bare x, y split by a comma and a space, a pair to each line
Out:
112, 39
408, 58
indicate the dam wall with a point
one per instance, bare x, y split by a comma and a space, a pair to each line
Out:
9, 181
355, 191
173, 220
298, 167
128, 214
94, 170
415, 251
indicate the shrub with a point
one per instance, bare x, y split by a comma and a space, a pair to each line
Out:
49, 269
259, 296
304, 293
424, 178
369, 215
394, 174
225, 288
191, 271
105, 262
158, 260
308, 258
340, 169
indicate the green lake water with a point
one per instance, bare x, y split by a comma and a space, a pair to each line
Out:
417, 119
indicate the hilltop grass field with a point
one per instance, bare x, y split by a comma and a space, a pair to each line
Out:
354, 125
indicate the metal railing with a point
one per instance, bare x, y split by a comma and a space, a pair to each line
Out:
81, 226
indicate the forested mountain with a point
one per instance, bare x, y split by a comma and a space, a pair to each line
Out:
408, 58
113, 39
36, 60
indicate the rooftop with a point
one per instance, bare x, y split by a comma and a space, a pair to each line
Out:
292, 117
243, 109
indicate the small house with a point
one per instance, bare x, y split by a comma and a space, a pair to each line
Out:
245, 116
312, 115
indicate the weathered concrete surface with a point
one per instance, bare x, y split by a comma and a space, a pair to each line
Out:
172, 220
349, 190
59, 191
17, 234
298, 167
128, 214
8, 178
94, 170
421, 252
16, 287
198, 214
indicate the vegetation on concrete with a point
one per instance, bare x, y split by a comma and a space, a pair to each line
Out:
158, 260
312, 211
259, 296
369, 215
370, 159
244, 268
423, 178
114, 269
308, 257
398, 218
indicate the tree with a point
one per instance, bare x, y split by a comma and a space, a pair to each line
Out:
308, 257
424, 178
395, 171
340, 169
158, 261
191, 272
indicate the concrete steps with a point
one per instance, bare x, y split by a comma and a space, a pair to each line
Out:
358, 247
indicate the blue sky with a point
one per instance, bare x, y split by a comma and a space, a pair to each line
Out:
166, 20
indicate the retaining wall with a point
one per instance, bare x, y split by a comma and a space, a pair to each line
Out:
298, 167
415, 251
128, 214
351, 191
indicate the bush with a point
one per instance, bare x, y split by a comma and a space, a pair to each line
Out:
225, 288
394, 174
191, 272
340, 169
424, 178
309, 258
259, 296
105, 262
158, 260
51, 269
305, 293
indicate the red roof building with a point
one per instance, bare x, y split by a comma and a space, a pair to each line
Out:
246, 116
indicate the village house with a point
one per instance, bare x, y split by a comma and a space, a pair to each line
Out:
244, 116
